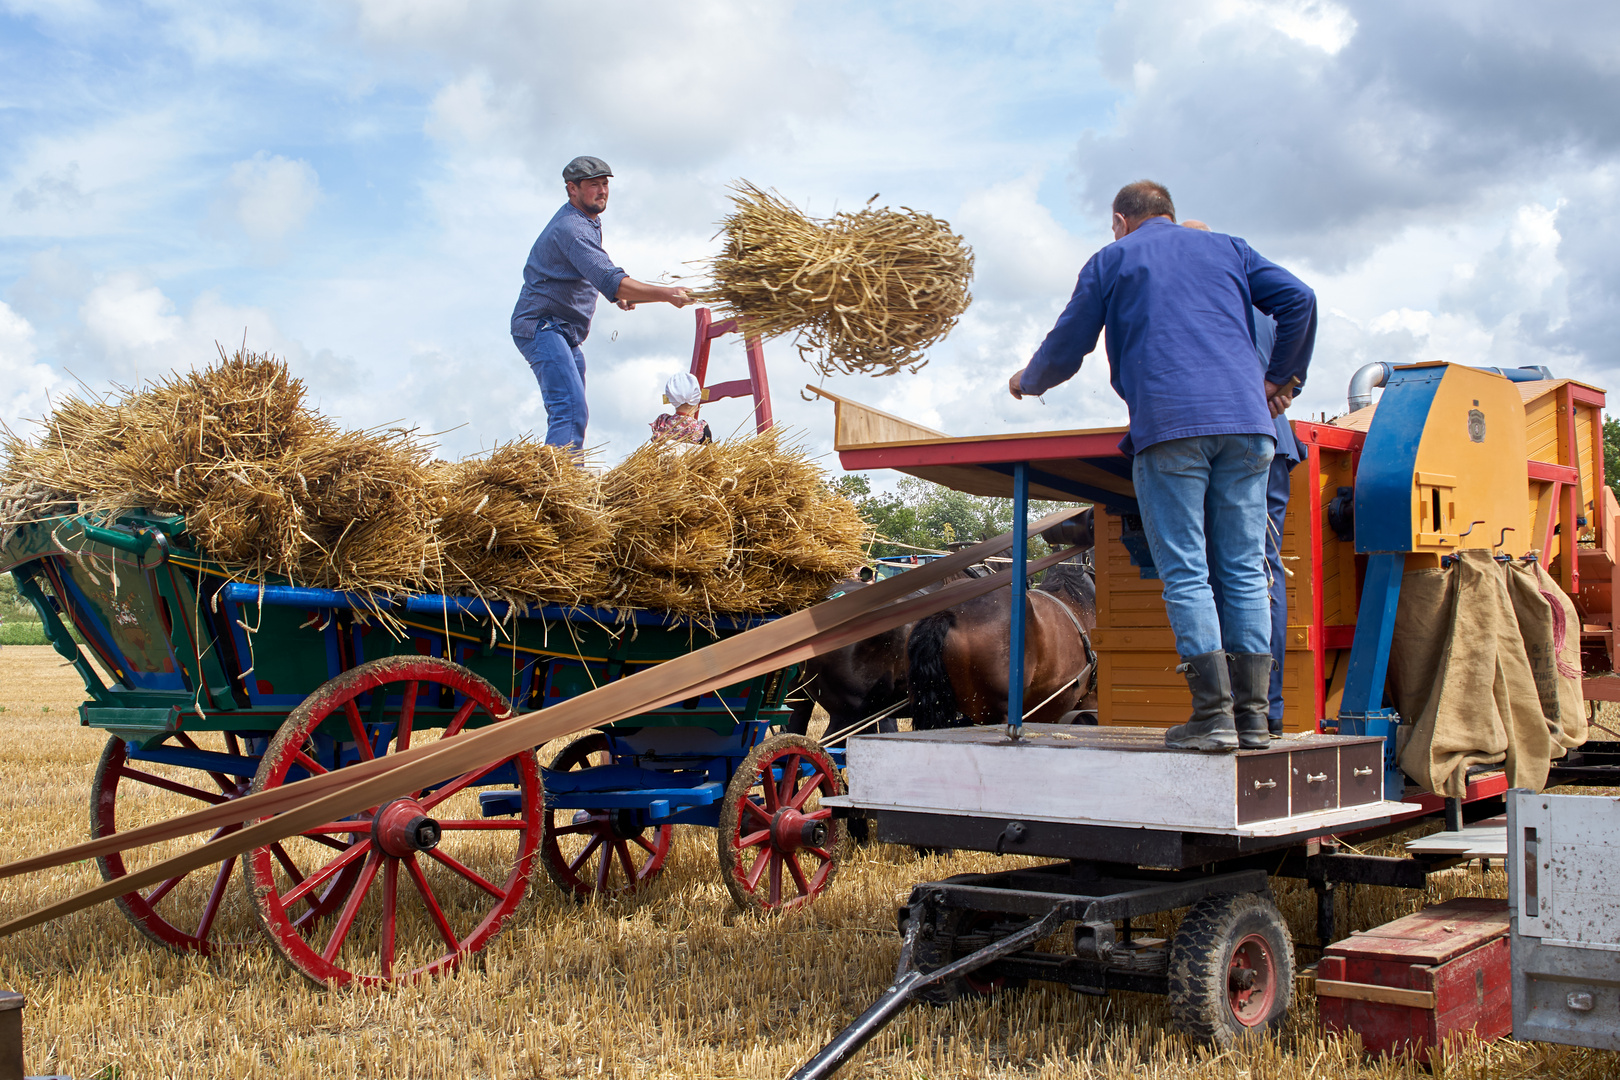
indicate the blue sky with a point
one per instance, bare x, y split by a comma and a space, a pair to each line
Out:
355, 185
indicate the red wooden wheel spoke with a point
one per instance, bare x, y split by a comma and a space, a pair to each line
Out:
797, 871
477, 825
756, 871
823, 814
467, 872
579, 860
351, 906
215, 896
390, 908
749, 806
790, 780
327, 841
574, 827
338, 828
623, 849
357, 728
773, 799
821, 853
314, 880
748, 840
287, 864
460, 782
603, 867
314, 767
805, 792
163, 889
650, 847
407, 716
776, 876
172, 785
458, 721
232, 746
437, 913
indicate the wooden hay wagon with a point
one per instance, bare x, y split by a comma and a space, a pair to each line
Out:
216, 688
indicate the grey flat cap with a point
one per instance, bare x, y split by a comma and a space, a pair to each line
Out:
586, 168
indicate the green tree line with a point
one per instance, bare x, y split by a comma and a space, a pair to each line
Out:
925, 515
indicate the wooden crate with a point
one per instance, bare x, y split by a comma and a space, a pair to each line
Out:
1410, 984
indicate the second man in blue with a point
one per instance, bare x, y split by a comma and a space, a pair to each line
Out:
566, 269
1177, 304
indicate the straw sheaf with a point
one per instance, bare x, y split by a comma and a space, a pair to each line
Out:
864, 292
523, 524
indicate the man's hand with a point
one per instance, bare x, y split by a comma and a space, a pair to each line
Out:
679, 297
1015, 384
1278, 398
625, 305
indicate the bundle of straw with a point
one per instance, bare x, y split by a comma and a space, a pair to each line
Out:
742, 526
865, 292
523, 524
263, 482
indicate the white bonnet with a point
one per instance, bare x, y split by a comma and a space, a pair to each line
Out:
683, 389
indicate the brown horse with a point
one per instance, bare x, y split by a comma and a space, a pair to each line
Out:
958, 657
858, 681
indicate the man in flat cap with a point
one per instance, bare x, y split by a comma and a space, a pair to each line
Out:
566, 269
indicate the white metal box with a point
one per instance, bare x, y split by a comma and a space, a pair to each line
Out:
1564, 910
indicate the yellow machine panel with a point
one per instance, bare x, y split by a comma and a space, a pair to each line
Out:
1475, 433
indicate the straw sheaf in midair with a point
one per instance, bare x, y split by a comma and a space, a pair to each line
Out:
865, 292
523, 524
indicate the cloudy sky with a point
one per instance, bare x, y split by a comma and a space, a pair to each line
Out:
354, 185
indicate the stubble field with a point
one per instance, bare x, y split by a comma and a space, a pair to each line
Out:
674, 982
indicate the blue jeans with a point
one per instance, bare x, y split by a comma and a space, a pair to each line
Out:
1220, 479
560, 369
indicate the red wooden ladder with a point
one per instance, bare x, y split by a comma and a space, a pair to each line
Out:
755, 385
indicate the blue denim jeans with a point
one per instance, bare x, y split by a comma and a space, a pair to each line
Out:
560, 370
1203, 503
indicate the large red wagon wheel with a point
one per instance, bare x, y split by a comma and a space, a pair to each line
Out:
599, 851
183, 912
436, 879
778, 844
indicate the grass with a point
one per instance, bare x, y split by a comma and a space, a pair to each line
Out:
22, 633
674, 982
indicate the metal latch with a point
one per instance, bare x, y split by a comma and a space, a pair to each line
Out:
1258, 784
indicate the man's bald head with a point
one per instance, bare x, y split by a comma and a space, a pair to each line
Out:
1142, 200
1194, 223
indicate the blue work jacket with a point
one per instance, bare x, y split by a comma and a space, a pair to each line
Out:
566, 269
1181, 345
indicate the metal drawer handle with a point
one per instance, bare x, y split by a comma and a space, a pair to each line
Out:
1258, 784
1317, 779
1361, 772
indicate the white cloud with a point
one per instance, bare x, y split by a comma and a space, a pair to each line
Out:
25, 383
271, 196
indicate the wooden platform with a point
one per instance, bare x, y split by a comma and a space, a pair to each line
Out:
1122, 777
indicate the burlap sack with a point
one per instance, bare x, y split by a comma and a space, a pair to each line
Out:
1422, 627
1551, 629
1483, 707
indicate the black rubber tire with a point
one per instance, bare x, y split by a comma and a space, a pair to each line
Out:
1201, 957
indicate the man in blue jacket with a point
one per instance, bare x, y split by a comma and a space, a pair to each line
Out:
566, 269
1181, 351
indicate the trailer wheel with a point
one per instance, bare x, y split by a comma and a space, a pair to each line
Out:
182, 913
625, 857
778, 846
436, 878
1231, 968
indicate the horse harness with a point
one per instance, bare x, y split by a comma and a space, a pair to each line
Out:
1085, 640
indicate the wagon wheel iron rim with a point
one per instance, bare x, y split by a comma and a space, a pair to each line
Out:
424, 863
171, 913
778, 847
625, 858
1251, 981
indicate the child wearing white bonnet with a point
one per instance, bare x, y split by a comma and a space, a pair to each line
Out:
683, 425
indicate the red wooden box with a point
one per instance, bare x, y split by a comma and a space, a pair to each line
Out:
1407, 985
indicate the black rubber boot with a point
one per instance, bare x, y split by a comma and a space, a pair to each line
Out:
1251, 698
1211, 726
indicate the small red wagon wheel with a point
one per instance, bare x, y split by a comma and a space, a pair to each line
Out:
778, 845
436, 880
182, 913
1231, 969
599, 851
